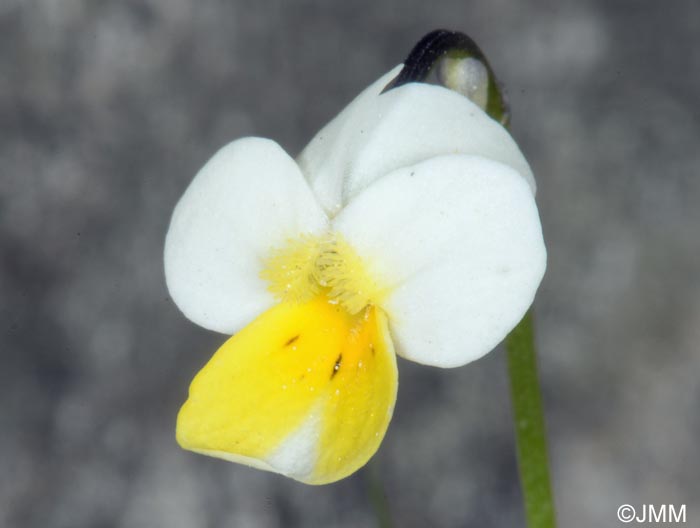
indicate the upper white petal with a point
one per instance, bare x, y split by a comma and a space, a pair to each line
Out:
376, 134
248, 199
458, 241
326, 160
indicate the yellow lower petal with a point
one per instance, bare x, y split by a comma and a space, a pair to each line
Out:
306, 390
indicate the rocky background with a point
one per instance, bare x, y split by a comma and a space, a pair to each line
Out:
108, 108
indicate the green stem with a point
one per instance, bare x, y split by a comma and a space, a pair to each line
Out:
376, 493
529, 425
522, 358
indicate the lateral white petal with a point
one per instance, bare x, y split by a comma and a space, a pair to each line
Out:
458, 241
249, 198
377, 134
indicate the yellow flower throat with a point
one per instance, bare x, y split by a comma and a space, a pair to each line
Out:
310, 265
307, 388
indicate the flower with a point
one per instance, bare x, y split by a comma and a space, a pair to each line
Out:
407, 226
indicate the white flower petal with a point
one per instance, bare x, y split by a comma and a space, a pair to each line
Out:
458, 241
327, 158
377, 134
297, 455
248, 199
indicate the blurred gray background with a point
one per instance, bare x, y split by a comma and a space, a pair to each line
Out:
108, 108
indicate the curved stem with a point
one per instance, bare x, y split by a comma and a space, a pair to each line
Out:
522, 358
528, 415
376, 493
530, 437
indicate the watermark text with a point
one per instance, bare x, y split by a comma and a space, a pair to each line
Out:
652, 513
